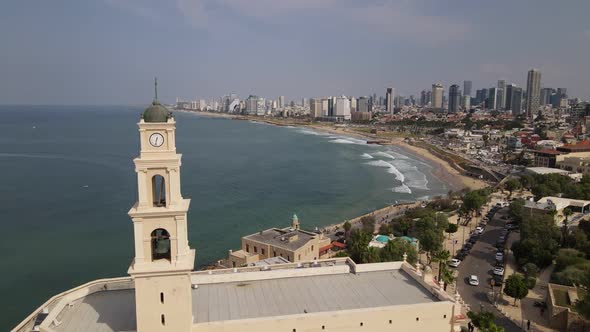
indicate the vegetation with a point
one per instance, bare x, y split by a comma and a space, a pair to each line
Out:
512, 185
347, 227
539, 237
484, 321
368, 224
429, 229
516, 287
394, 250
554, 184
475, 199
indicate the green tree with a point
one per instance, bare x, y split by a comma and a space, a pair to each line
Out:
394, 251
441, 256
347, 227
358, 246
484, 321
516, 287
447, 276
512, 185
452, 228
368, 224
430, 236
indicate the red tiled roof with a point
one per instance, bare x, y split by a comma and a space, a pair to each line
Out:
326, 247
338, 244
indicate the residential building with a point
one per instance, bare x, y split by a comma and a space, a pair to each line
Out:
575, 164
281, 102
342, 108
437, 96
533, 91
315, 109
454, 98
363, 105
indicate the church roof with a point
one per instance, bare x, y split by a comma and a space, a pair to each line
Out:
156, 113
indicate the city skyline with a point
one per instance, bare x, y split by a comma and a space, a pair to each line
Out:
68, 55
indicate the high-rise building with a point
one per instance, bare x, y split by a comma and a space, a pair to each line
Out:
342, 108
315, 109
437, 96
423, 101
454, 98
428, 97
559, 97
509, 91
516, 102
281, 102
501, 94
545, 96
305, 102
389, 101
467, 88
533, 91
466, 102
492, 100
363, 105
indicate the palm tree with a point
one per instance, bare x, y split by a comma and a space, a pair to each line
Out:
347, 227
447, 277
441, 256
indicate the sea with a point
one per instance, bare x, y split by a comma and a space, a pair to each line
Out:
67, 182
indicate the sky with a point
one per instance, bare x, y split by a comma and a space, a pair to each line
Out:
108, 51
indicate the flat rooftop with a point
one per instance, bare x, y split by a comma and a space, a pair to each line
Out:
290, 239
298, 295
110, 311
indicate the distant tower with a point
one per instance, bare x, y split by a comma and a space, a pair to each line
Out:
467, 88
437, 96
533, 91
295, 222
454, 98
163, 259
388, 101
501, 94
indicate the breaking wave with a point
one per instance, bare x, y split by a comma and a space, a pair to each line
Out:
366, 156
402, 189
390, 169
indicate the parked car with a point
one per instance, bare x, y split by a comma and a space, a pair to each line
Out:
454, 262
468, 245
500, 256
479, 230
498, 280
339, 233
473, 280
499, 271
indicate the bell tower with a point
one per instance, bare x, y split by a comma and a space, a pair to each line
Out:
163, 259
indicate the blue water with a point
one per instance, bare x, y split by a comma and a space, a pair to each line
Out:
67, 182
382, 238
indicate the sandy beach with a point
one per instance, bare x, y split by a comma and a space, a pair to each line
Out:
443, 170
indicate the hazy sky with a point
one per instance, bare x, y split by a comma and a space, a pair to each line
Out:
107, 51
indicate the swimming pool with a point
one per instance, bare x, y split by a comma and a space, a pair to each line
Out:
382, 238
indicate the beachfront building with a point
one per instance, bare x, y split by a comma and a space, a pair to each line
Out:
291, 243
164, 294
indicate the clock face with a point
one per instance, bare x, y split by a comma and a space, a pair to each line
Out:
156, 140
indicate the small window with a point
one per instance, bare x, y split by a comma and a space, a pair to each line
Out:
255, 250
163, 320
361, 323
444, 316
247, 248
262, 250
274, 254
162, 298
417, 318
233, 264
390, 321
323, 327
312, 247
288, 258
299, 257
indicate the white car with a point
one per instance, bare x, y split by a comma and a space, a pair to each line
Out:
499, 271
500, 256
479, 230
473, 280
454, 262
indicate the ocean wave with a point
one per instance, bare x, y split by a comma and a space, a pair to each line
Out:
355, 141
384, 154
390, 169
311, 132
402, 189
366, 156
414, 177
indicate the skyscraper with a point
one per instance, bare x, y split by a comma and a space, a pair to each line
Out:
437, 95
389, 101
467, 88
362, 104
533, 90
316, 108
545, 96
516, 101
492, 102
281, 102
454, 98
501, 103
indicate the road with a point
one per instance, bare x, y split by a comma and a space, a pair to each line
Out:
480, 261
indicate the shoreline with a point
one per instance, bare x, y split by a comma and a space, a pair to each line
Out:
442, 169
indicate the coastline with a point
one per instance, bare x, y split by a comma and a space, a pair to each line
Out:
442, 169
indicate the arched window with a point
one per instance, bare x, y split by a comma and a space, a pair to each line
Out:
159, 190
160, 244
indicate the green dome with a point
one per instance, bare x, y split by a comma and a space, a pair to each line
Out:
156, 113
